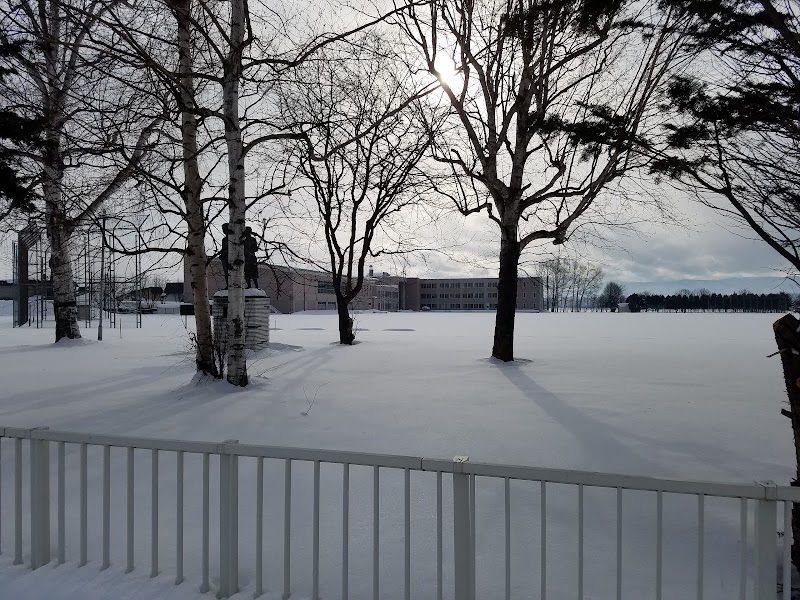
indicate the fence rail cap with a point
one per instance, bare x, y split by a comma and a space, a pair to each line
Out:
770, 489
760, 490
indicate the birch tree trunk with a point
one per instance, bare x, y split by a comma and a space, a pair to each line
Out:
66, 75
236, 360
58, 236
58, 226
193, 184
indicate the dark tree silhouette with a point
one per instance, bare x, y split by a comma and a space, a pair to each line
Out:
736, 132
636, 303
360, 160
736, 138
536, 133
18, 133
613, 293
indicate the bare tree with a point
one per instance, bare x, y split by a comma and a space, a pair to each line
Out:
140, 38
588, 279
96, 129
546, 98
568, 281
246, 50
360, 159
253, 61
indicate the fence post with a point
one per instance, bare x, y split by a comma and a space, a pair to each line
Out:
228, 521
462, 531
765, 542
40, 500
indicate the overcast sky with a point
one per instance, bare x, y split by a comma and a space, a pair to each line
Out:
708, 249
704, 247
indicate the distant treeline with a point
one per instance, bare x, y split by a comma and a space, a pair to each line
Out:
736, 302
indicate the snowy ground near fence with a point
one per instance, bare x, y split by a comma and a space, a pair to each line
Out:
688, 396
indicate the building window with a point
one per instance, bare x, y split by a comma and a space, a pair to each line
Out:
325, 287
523, 294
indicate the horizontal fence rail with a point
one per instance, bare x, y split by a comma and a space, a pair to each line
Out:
219, 489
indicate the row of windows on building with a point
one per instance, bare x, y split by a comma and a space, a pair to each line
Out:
326, 287
467, 306
460, 306
379, 306
457, 284
458, 295
465, 295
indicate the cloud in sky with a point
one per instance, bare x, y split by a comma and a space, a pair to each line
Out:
708, 248
703, 246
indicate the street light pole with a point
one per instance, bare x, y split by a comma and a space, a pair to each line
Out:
102, 277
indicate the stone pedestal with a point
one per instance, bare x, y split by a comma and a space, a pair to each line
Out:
256, 318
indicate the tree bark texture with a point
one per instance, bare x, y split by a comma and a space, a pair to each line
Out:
788, 339
346, 335
193, 184
506, 293
59, 229
64, 303
236, 358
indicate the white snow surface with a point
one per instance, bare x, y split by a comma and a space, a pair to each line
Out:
687, 396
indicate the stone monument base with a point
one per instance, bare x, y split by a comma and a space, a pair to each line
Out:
256, 318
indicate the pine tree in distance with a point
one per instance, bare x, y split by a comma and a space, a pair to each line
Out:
16, 133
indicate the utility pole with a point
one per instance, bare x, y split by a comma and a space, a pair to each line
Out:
102, 277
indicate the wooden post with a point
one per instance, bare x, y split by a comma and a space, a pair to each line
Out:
787, 336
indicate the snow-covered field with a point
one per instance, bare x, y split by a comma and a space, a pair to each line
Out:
688, 396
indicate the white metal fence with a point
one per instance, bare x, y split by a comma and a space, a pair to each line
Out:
218, 466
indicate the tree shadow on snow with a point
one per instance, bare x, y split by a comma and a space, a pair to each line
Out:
600, 439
